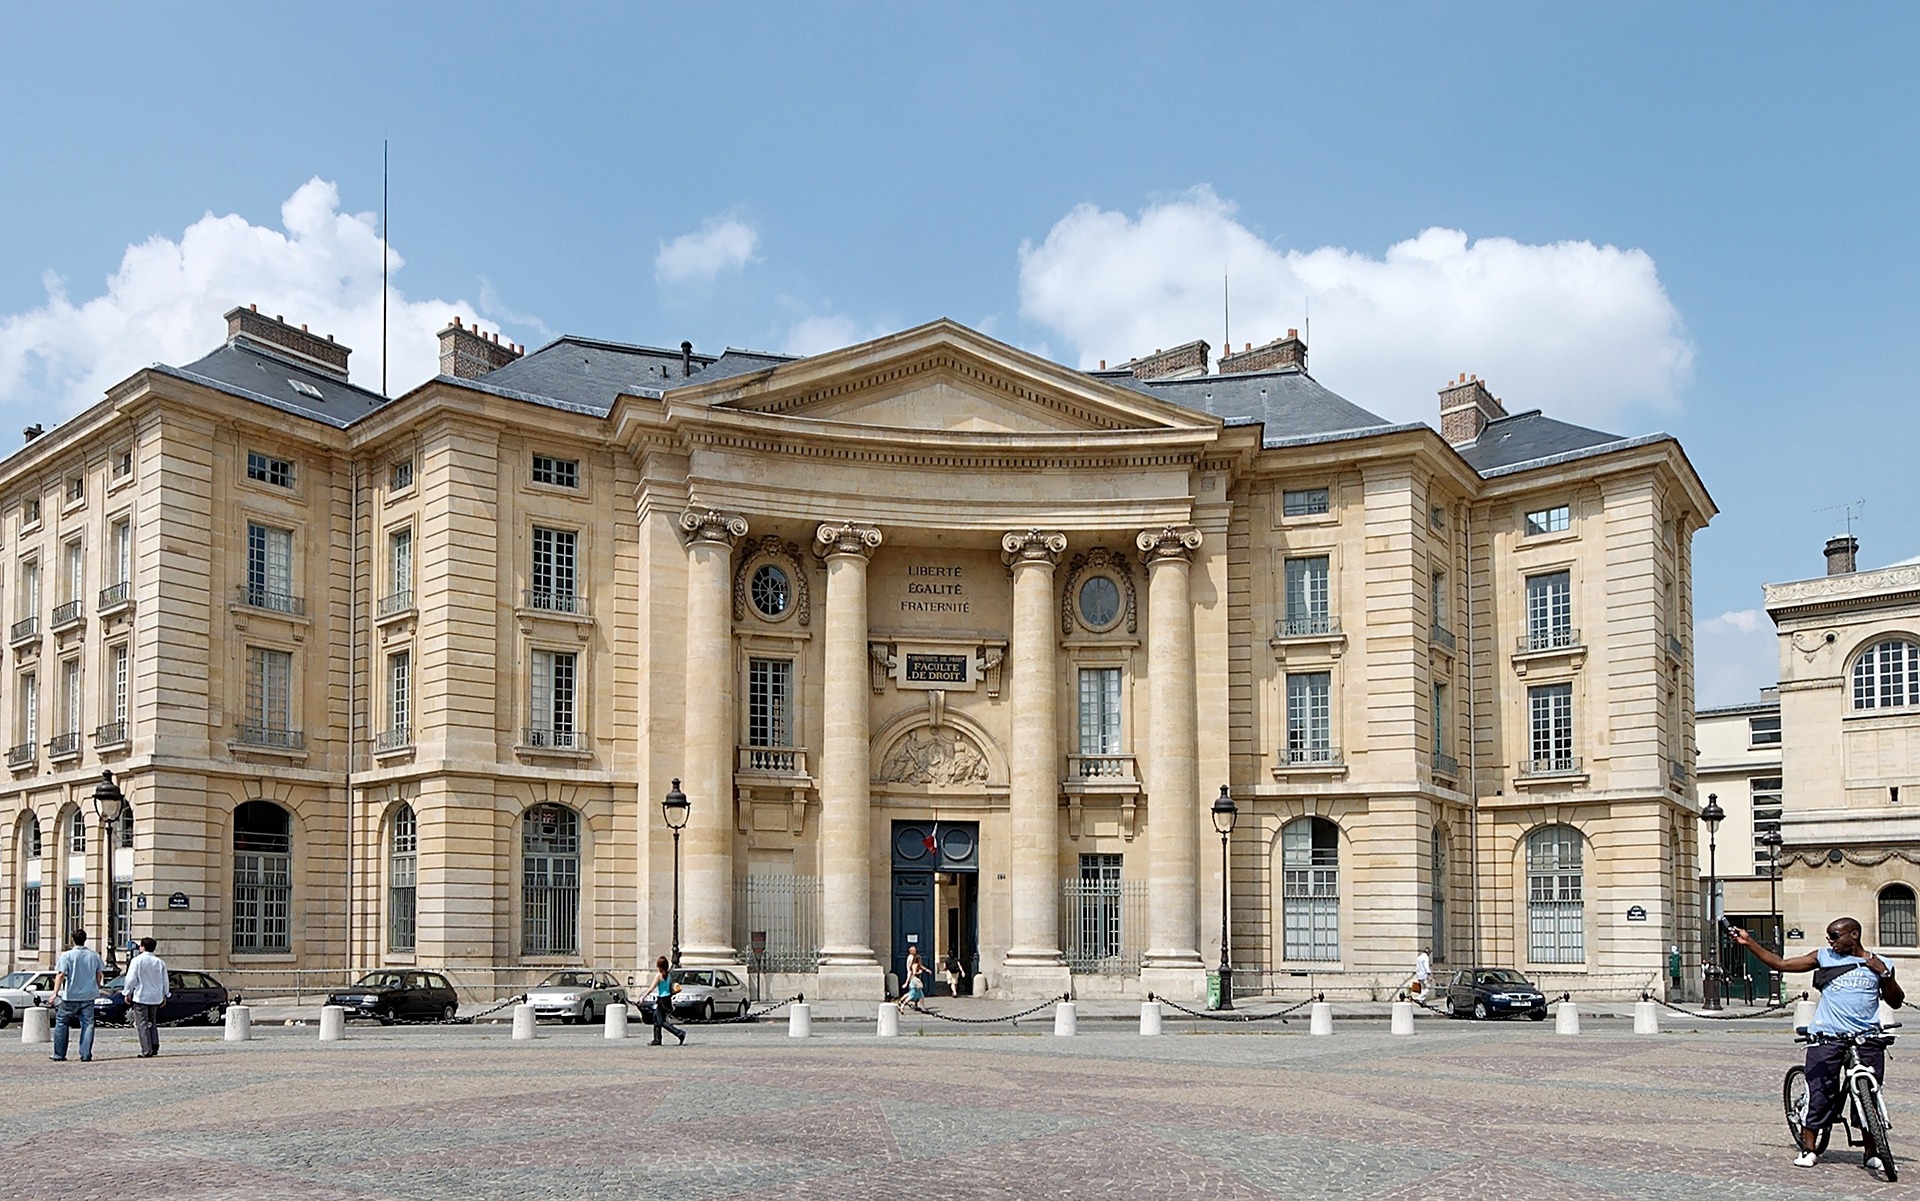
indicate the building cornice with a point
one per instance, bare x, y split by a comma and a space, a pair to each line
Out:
1824, 594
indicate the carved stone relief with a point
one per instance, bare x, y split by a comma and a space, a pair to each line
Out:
941, 757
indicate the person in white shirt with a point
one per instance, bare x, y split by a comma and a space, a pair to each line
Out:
146, 993
1422, 974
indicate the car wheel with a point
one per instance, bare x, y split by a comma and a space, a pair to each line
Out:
706, 1011
1480, 1011
6, 1015
586, 1014
447, 1012
743, 1011
1538, 1015
387, 1016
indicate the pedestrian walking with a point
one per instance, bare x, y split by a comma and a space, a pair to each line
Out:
663, 990
956, 974
78, 975
916, 983
1673, 969
147, 991
1422, 973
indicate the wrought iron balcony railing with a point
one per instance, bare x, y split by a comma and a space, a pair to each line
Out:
1313, 625
114, 733
1548, 638
25, 630
1313, 756
394, 602
1565, 765
557, 602
545, 738
63, 746
273, 602
68, 614
1442, 636
398, 738
115, 597
249, 734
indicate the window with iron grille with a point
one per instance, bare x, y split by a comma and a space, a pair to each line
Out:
122, 917
555, 582
1309, 716
269, 470
1550, 727
769, 702
1437, 931
30, 916
1305, 502
76, 901
1887, 676
270, 690
1308, 597
269, 567
402, 881
1549, 521
551, 716
262, 878
1556, 905
550, 881
1310, 890
1549, 610
561, 473
1100, 908
1099, 712
1899, 923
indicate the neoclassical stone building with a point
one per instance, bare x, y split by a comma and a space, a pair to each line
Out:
947, 645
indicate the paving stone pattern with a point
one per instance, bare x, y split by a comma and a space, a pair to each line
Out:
464, 1113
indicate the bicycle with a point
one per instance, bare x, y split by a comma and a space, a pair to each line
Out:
1861, 1106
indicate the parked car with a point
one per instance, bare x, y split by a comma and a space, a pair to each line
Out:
13, 1000
705, 993
575, 995
193, 996
37, 984
1494, 992
391, 994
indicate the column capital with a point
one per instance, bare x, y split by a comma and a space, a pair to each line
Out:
712, 525
845, 538
1032, 546
1167, 543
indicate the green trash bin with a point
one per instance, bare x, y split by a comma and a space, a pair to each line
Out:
1213, 990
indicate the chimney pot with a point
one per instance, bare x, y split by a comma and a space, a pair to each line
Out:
298, 344
33, 431
303, 327
1293, 333
1842, 554
1103, 364
686, 359
254, 307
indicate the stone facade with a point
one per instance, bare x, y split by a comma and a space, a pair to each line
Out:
946, 645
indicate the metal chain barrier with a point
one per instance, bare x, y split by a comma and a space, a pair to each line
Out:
1236, 1015
1773, 1010
750, 1015
1013, 1018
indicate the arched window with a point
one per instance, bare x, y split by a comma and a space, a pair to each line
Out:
402, 896
1899, 922
262, 878
550, 881
1310, 889
30, 852
1556, 908
1439, 931
1887, 676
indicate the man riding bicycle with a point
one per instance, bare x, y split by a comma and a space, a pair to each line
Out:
1852, 982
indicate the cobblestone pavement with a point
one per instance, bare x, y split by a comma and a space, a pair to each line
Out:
1458, 1110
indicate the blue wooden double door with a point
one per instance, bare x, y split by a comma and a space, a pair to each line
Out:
936, 898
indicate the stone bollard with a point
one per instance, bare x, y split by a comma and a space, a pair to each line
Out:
800, 1020
889, 1016
1320, 1018
1566, 1018
617, 1020
525, 1025
1803, 1014
36, 1025
239, 1023
333, 1023
1065, 1019
1402, 1018
1646, 1017
1149, 1017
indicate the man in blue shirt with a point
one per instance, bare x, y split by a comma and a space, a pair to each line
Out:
78, 975
1852, 982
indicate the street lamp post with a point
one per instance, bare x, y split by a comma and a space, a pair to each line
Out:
1224, 813
674, 807
1713, 815
1771, 839
109, 804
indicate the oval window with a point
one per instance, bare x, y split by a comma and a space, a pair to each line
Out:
771, 591
1099, 602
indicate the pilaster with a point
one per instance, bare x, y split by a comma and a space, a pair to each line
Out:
1172, 964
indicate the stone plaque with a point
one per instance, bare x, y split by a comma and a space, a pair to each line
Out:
936, 670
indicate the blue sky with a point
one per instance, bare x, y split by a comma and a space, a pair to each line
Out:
1633, 217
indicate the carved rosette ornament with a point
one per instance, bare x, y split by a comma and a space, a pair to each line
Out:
845, 538
1032, 546
1166, 543
711, 525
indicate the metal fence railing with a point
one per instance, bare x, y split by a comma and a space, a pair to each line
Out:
1103, 925
785, 911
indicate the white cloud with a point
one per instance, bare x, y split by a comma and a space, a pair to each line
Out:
1582, 331
821, 333
164, 304
1735, 655
720, 244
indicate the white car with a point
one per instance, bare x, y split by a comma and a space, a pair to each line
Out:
23, 990
705, 993
575, 995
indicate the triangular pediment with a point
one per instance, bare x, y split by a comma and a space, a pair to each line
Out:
943, 377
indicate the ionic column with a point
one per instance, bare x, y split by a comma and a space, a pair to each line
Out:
1034, 964
1173, 744
847, 964
706, 893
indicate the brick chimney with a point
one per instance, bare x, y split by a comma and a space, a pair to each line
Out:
276, 337
1843, 552
1465, 408
1182, 362
466, 353
1289, 351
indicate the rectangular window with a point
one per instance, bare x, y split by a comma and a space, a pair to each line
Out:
1549, 521
1550, 727
117, 667
270, 692
123, 464
269, 568
1437, 593
30, 511
1305, 502
400, 561
561, 473
29, 717
77, 833
262, 901
1440, 740
1099, 909
770, 702
402, 882
1556, 900
76, 914
29, 597
269, 470
551, 718
73, 571
1763, 731
400, 476
120, 550
555, 556
76, 489
122, 913
1310, 717
1308, 596
1310, 890
1767, 811
1549, 611
70, 696
30, 915
400, 694
1099, 711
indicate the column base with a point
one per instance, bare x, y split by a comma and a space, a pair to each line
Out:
1032, 981
1182, 982
849, 980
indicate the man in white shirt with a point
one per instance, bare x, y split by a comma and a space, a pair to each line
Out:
146, 992
1423, 975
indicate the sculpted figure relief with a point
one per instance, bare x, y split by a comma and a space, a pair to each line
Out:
938, 757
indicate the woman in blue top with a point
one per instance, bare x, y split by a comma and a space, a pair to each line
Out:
1852, 982
663, 990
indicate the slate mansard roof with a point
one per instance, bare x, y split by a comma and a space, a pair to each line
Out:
1529, 439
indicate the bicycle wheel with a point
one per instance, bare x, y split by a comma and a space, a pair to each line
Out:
1866, 1103
1793, 1092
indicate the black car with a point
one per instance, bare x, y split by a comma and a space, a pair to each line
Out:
191, 997
392, 994
1494, 992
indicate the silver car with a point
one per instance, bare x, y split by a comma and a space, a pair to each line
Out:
575, 995
705, 993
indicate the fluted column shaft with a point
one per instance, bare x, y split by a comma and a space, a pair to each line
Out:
707, 842
846, 911
1033, 801
1174, 747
